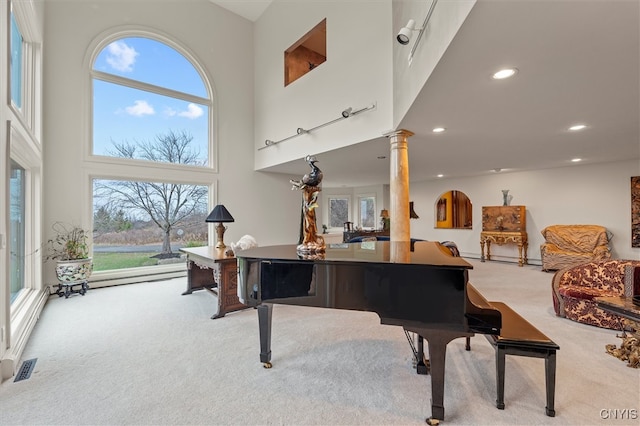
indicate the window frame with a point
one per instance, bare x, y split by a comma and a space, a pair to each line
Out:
106, 39
104, 167
349, 211
29, 114
360, 222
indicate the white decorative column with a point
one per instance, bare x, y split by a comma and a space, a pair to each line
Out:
399, 185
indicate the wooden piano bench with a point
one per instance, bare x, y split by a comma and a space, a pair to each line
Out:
519, 337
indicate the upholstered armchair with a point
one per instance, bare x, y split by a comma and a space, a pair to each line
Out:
570, 245
574, 290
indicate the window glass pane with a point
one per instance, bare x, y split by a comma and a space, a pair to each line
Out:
338, 212
367, 212
16, 64
152, 62
139, 223
16, 230
126, 116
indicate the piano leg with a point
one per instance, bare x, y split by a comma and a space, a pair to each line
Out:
437, 342
264, 325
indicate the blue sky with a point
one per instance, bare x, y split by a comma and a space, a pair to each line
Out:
122, 113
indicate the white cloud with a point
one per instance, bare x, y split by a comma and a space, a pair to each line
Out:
140, 108
193, 111
121, 56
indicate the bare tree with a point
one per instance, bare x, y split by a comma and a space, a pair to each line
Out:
166, 204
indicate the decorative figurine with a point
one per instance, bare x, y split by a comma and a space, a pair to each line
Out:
310, 187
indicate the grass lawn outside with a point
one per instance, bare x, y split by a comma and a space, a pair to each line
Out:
108, 261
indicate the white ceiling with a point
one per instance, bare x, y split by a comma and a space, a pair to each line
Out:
578, 62
250, 9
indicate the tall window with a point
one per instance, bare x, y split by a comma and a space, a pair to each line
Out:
16, 229
151, 107
338, 211
367, 207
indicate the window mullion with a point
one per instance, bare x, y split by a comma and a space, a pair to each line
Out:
135, 84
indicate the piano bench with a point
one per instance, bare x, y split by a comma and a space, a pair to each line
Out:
519, 337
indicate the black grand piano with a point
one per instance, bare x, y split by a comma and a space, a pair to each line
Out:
419, 285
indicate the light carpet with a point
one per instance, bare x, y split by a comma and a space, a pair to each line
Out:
144, 354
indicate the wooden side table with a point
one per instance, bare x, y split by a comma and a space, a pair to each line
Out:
211, 269
500, 238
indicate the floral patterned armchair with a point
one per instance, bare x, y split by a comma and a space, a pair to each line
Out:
573, 289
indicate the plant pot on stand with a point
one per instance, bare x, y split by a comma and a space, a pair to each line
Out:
73, 276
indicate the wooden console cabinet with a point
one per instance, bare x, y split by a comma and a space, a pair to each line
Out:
211, 269
504, 225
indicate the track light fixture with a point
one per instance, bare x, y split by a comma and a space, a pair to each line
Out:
404, 35
346, 113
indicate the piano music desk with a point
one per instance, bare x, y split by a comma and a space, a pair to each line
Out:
211, 269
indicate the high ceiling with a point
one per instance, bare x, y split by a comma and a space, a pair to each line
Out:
578, 62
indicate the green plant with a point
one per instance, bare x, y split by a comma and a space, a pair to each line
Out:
70, 243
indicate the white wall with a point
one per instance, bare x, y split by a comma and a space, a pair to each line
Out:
596, 194
204, 29
410, 77
357, 73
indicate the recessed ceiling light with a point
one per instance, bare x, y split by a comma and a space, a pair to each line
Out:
577, 127
438, 129
497, 170
576, 160
505, 73
440, 175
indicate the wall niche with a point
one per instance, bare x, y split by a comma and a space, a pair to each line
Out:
306, 54
453, 211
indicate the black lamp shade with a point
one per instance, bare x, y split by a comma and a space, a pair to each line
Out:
219, 214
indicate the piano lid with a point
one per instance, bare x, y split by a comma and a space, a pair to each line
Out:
416, 253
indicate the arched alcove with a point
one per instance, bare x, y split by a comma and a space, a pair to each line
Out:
453, 210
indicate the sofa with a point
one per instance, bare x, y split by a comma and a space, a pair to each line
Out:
570, 245
574, 288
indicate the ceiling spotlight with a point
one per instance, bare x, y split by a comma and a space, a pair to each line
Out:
577, 127
497, 170
440, 175
404, 35
438, 130
268, 142
576, 160
347, 112
300, 131
505, 73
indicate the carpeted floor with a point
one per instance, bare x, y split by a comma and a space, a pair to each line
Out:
143, 354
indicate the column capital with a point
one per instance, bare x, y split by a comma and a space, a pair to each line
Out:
399, 133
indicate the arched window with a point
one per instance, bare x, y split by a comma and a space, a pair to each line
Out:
145, 92
152, 156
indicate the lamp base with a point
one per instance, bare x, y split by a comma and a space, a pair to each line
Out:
220, 228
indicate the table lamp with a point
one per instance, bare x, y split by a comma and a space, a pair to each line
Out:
220, 215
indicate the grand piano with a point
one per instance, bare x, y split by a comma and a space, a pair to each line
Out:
419, 286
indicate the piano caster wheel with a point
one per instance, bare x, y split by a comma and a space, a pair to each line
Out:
267, 365
432, 422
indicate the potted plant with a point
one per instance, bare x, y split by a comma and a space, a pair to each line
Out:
69, 248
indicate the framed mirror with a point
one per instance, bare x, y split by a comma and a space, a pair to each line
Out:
453, 210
